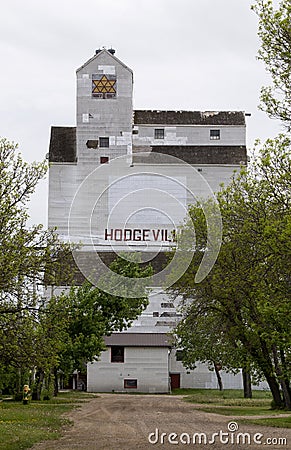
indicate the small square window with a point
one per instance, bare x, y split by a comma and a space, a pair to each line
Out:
156, 314
104, 159
159, 133
130, 384
214, 134
117, 354
104, 142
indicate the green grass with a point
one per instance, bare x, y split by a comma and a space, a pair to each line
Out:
228, 397
21, 426
244, 410
278, 422
231, 402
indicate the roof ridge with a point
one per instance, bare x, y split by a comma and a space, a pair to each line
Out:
104, 50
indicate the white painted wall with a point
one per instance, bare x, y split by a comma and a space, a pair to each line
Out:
190, 135
149, 365
104, 117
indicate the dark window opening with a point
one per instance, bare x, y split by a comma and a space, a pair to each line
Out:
179, 355
117, 354
104, 142
167, 305
169, 314
159, 133
104, 159
92, 143
156, 314
165, 323
130, 384
214, 135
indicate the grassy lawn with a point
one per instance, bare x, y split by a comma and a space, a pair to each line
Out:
278, 422
231, 402
21, 426
225, 397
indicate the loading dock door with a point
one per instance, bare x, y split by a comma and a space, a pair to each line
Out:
175, 380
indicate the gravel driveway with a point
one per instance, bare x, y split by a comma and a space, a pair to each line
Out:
124, 422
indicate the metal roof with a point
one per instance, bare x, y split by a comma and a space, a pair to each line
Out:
62, 144
139, 340
192, 154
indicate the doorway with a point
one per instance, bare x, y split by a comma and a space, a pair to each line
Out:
175, 380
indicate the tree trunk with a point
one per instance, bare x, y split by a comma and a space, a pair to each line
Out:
286, 394
39, 383
56, 384
217, 368
275, 390
286, 380
281, 378
247, 383
264, 361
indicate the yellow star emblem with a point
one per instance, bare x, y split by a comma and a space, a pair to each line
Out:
104, 85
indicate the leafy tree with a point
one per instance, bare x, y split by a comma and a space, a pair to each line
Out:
73, 325
275, 52
62, 332
203, 336
248, 290
27, 253
96, 313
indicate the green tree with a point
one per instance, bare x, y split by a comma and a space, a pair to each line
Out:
249, 286
26, 252
73, 325
26, 255
275, 52
61, 333
203, 335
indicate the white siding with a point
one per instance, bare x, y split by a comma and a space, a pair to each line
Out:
190, 135
148, 365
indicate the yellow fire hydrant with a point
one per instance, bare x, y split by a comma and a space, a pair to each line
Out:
26, 392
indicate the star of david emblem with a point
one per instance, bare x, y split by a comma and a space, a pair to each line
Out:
103, 86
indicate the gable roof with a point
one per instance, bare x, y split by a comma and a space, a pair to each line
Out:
139, 340
156, 117
97, 56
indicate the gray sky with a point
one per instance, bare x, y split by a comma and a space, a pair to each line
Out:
185, 54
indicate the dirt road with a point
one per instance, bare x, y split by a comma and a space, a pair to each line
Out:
124, 422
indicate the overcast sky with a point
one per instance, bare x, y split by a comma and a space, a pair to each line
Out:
185, 54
